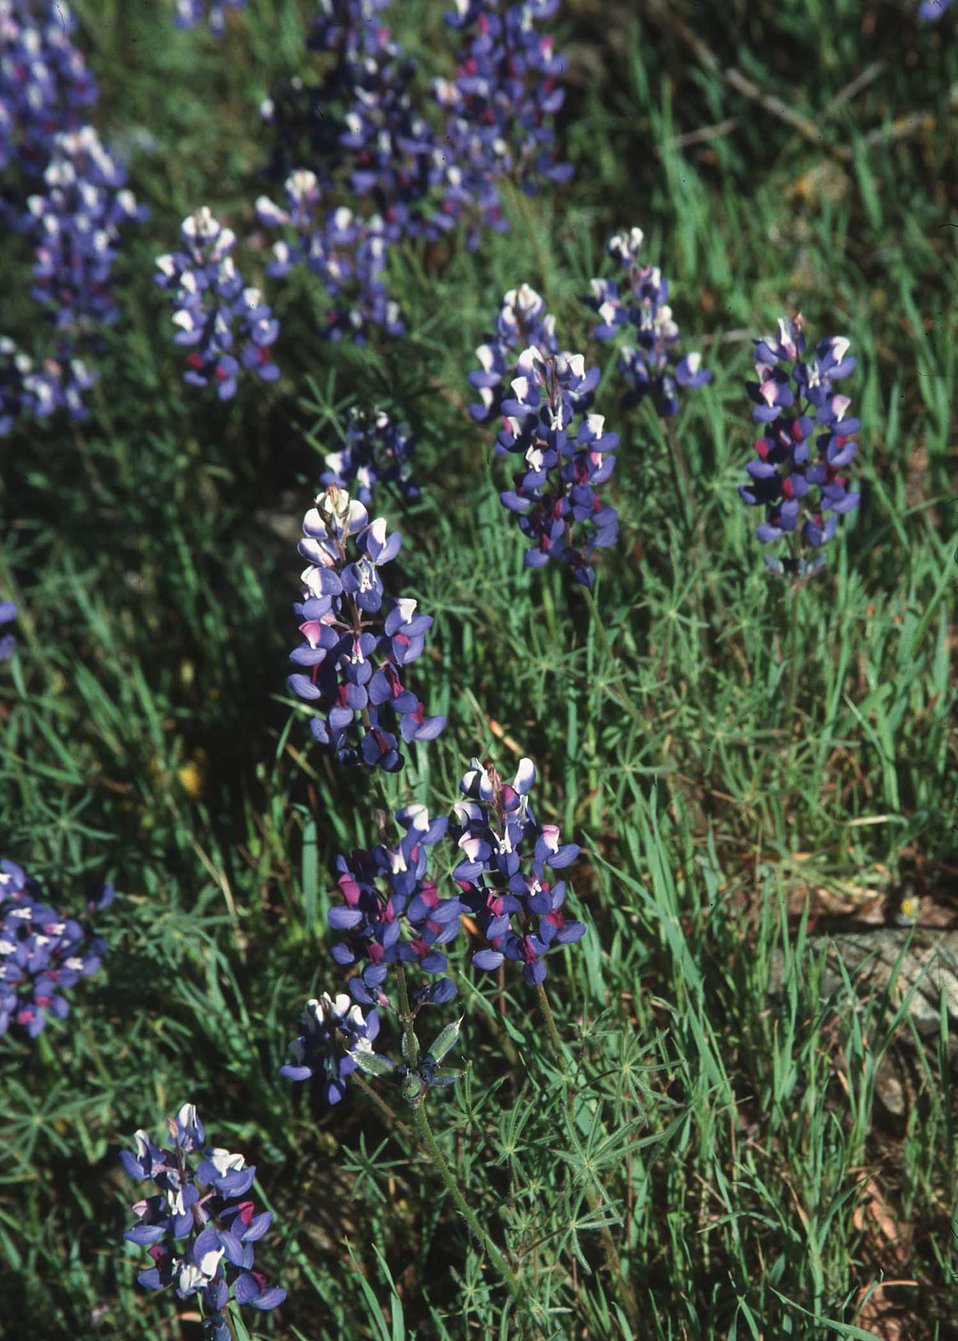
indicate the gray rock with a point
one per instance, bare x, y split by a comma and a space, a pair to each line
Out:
922, 962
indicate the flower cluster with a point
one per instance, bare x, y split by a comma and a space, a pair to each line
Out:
346, 251
332, 1032
387, 150
563, 464
367, 148
198, 1227
522, 322
499, 106
651, 366
8, 613
216, 316
357, 128
29, 390
75, 224
64, 191
357, 141
502, 871
44, 87
795, 400
392, 913
42, 953
376, 451
393, 917
191, 13
343, 592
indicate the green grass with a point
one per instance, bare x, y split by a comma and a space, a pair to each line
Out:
729, 1140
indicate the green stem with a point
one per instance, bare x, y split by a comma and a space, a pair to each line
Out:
410, 1043
411, 1053
546, 1007
792, 660
613, 1260
508, 1276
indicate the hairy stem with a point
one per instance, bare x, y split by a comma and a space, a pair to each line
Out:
411, 1053
507, 1275
790, 702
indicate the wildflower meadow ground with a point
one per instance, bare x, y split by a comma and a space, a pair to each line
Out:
478, 766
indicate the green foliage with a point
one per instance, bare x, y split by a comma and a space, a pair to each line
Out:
723, 1135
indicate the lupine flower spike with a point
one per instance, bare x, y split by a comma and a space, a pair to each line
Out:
347, 251
502, 871
353, 659
65, 191
199, 1227
45, 87
803, 489
363, 165
225, 325
499, 106
29, 389
75, 223
638, 303
357, 128
42, 953
566, 455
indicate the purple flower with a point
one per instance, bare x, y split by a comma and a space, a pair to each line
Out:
42, 953
802, 491
386, 149
75, 225
332, 1031
499, 107
566, 455
191, 13
375, 450
352, 664
346, 251
522, 322
62, 189
357, 127
639, 302
45, 88
199, 1228
31, 391
392, 912
8, 613
355, 143
931, 10
502, 871
225, 325
360, 136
